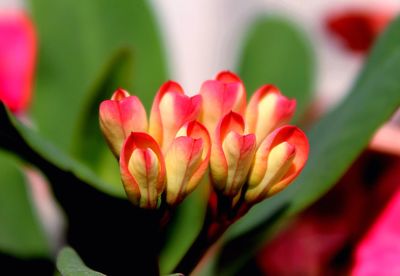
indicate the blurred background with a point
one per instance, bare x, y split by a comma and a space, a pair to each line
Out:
203, 38
312, 49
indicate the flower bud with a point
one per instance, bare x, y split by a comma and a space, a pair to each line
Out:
186, 161
220, 96
17, 60
170, 111
142, 170
268, 109
231, 154
279, 159
119, 117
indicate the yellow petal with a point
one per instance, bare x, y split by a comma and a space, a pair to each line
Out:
239, 151
182, 160
278, 163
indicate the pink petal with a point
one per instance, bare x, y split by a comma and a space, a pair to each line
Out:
221, 96
268, 109
119, 117
228, 77
171, 110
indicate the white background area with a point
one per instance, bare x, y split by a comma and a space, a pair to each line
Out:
204, 37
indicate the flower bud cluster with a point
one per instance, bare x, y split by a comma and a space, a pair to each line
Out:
248, 150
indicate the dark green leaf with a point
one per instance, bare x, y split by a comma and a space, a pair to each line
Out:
90, 146
94, 217
25, 142
21, 233
338, 138
70, 264
277, 52
183, 229
76, 39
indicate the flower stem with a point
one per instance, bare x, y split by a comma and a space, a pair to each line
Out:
220, 215
210, 233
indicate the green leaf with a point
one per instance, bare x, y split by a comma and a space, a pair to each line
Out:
90, 146
21, 233
277, 51
76, 39
70, 264
338, 138
28, 144
183, 229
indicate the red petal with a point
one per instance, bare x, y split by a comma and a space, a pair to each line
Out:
358, 29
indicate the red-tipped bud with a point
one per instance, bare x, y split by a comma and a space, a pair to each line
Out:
231, 155
142, 170
170, 111
220, 96
278, 160
187, 161
268, 109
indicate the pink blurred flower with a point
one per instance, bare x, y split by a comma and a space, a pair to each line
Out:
324, 239
378, 253
312, 240
17, 59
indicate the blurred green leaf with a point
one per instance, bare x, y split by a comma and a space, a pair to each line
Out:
75, 39
70, 264
339, 137
21, 234
183, 229
277, 51
90, 146
28, 144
